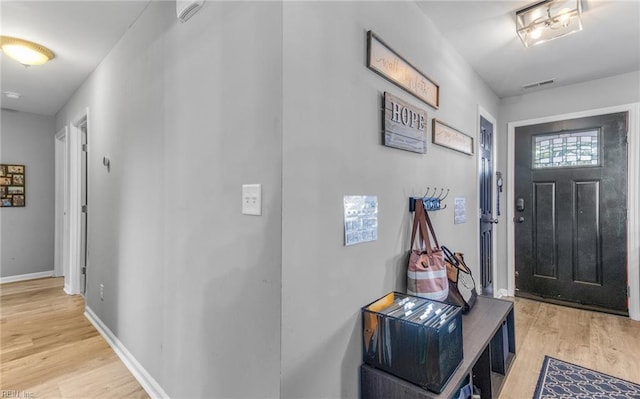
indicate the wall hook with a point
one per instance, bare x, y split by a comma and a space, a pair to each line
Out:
445, 196
107, 162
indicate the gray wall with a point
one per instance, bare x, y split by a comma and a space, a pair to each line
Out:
27, 232
187, 113
617, 90
331, 145
600, 93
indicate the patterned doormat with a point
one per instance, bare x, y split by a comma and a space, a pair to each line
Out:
560, 379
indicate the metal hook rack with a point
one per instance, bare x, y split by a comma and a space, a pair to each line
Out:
432, 202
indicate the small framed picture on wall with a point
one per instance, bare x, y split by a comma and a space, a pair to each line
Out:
12, 186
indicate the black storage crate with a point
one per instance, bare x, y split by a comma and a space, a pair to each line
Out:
417, 339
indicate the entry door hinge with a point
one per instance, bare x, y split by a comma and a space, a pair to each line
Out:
84, 270
628, 291
85, 208
84, 148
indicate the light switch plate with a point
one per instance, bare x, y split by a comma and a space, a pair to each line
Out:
252, 199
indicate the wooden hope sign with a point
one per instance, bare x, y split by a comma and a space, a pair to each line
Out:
404, 125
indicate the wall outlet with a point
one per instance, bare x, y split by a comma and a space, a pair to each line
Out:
102, 292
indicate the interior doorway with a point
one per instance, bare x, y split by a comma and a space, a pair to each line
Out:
72, 235
84, 205
61, 256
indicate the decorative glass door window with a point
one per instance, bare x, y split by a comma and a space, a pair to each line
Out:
562, 150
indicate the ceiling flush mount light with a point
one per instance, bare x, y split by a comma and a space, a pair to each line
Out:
548, 20
25, 52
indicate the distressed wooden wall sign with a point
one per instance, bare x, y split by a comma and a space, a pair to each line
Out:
390, 65
404, 125
450, 137
12, 185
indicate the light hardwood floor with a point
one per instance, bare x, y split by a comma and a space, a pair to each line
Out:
606, 343
48, 349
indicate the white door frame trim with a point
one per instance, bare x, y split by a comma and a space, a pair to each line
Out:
494, 156
61, 261
75, 202
633, 196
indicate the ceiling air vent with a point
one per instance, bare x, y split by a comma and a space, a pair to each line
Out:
538, 84
185, 9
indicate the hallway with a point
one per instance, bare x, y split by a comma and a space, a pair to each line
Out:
50, 350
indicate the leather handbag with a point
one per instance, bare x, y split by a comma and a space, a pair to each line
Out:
426, 272
462, 287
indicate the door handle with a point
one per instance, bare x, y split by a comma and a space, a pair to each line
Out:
494, 221
519, 220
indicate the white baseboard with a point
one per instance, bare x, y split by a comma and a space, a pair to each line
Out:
502, 292
144, 378
23, 277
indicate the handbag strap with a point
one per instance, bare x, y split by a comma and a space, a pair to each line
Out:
456, 261
450, 257
415, 226
433, 233
421, 215
463, 266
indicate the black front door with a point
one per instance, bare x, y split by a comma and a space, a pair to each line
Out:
570, 211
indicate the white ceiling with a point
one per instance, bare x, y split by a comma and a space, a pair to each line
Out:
484, 33
81, 33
